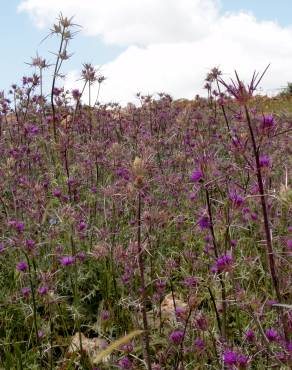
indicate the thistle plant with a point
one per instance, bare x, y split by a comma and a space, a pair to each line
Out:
243, 95
98, 248
138, 171
63, 29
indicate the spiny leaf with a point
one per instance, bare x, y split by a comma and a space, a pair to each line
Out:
288, 306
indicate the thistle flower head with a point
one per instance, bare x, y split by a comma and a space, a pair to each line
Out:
26, 291
199, 344
39, 62
236, 198
43, 290
250, 335
176, 337
271, 334
197, 175
76, 94
239, 90
89, 73
67, 260
267, 121
125, 363
223, 263
265, 161
204, 223
229, 357
22, 266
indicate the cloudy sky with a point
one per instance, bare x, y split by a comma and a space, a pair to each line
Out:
152, 46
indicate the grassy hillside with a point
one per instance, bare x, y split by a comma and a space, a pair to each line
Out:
169, 222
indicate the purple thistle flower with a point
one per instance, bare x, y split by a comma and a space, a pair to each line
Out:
65, 198
199, 344
271, 334
223, 263
81, 226
265, 161
71, 181
213, 269
236, 199
32, 130
128, 348
208, 238
268, 121
19, 226
197, 175
81, 256
104, 315
229, 357
160, 286
67, 260
204, 222
180, 313
246, 210
125, 363
289, 346
156, 298
176, 337
250, 336
76, 94
57, 91
201, 323
192, 196
233, 243
289, 244
25, 291
30, 244
41, 334
242, 360
57, 193
22, 266
43, 290
190, 281
123, 172
93, 189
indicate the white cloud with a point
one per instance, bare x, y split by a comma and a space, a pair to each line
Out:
170, 45
126, 22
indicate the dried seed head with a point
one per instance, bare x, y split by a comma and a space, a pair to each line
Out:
67, 35
65, 22
138, 167
88, 73
57, 28
139, 181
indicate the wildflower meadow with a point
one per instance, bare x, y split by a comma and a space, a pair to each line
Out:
152, 236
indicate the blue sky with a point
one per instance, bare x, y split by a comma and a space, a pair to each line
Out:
20, 37
274, 10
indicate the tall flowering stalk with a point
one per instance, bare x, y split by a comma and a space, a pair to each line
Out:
222, 327
39, 64
138, 171
63, 29
243, 94
34, 303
